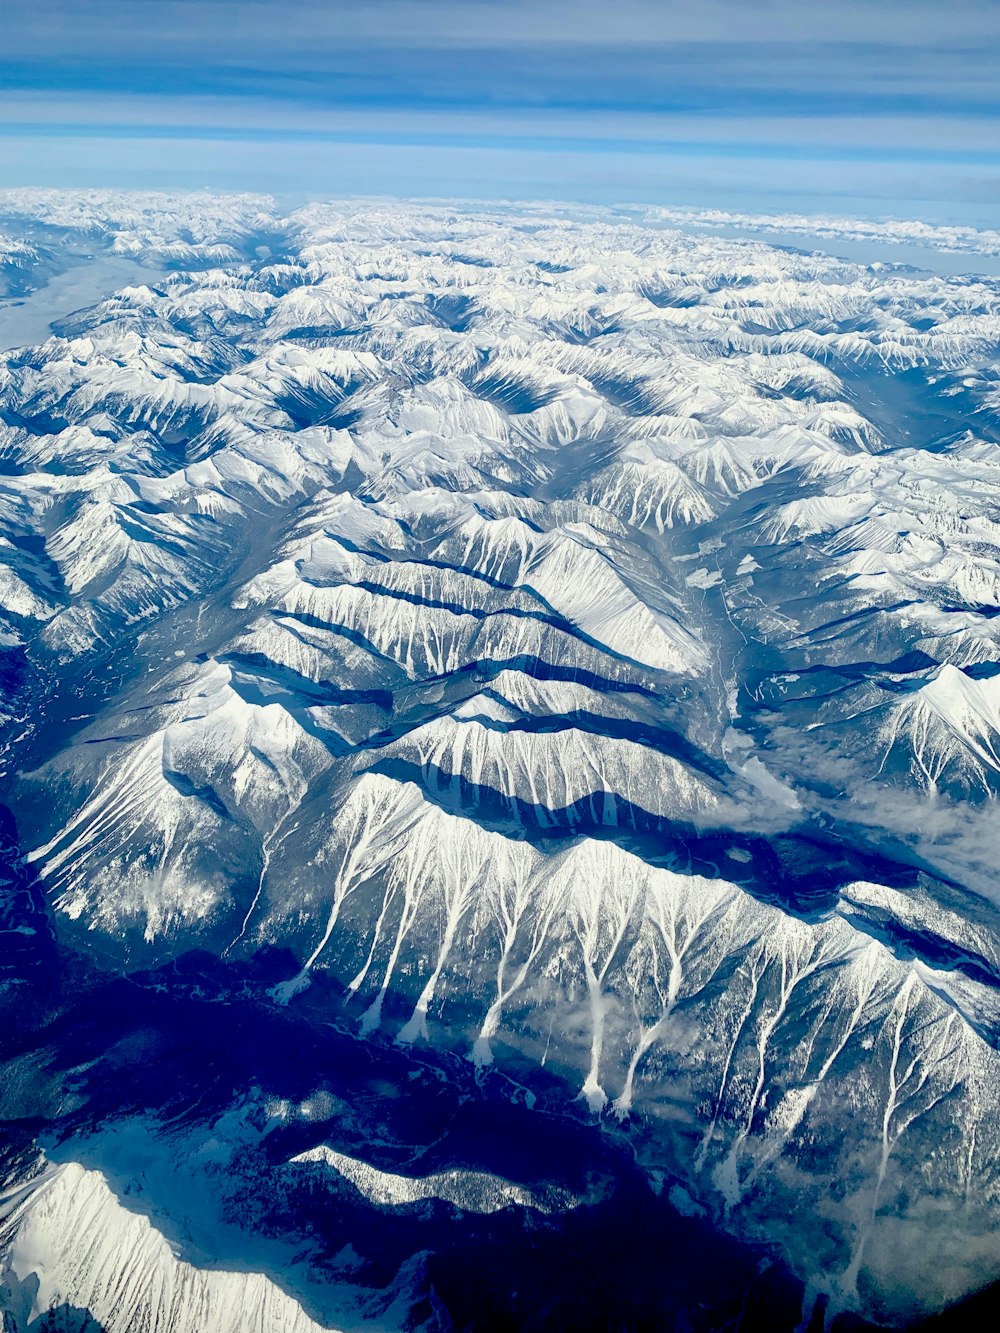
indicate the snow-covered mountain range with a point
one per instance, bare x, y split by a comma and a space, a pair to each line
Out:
501, 731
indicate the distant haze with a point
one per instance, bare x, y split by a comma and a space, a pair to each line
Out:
889, 108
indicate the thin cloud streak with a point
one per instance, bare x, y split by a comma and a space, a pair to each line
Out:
899, 83
238, 25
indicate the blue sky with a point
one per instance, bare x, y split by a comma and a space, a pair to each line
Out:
877, 106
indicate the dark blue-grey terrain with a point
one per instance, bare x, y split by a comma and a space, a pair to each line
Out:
500, 745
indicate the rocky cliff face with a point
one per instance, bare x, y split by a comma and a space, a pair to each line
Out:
502, 729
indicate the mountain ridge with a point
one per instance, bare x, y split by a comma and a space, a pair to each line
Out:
576, 699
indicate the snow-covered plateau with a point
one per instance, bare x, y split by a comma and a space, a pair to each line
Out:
500, 742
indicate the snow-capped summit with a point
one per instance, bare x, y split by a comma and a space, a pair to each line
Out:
501, 730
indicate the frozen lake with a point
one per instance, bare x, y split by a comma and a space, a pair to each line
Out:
25, 320
947, 263
28, 319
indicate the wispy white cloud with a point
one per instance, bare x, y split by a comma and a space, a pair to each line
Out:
240, 25
645, 86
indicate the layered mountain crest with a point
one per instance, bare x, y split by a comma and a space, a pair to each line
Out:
501, 728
